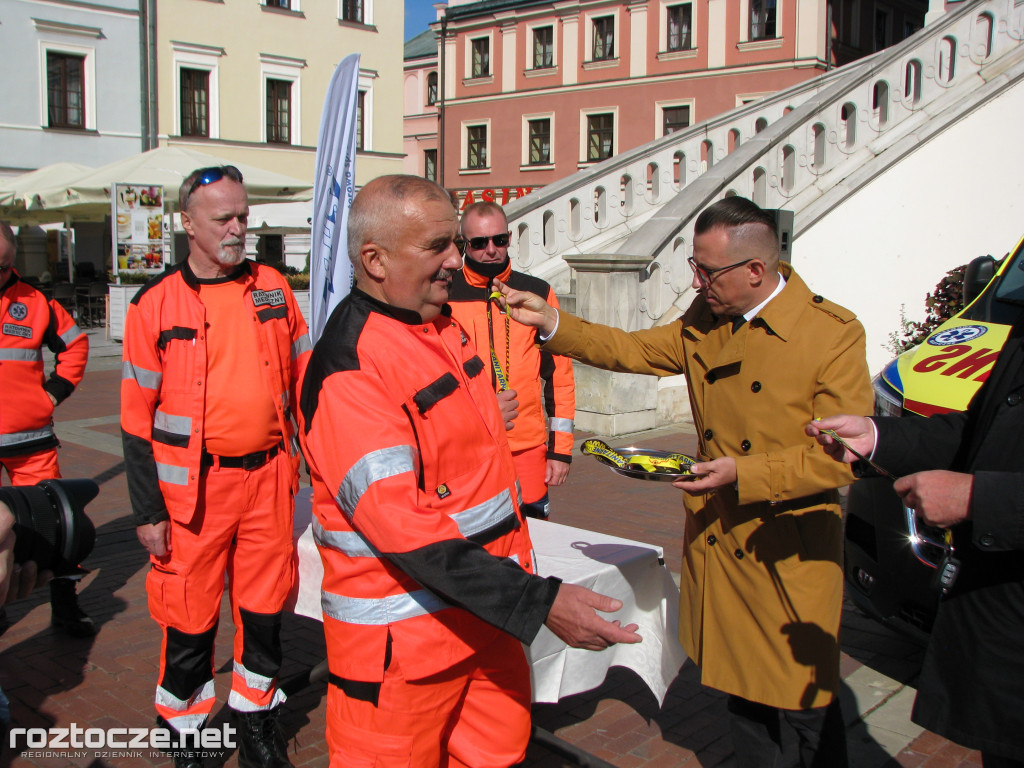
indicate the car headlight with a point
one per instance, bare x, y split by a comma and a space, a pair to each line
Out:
888, 400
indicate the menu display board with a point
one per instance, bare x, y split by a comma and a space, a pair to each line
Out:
138, 220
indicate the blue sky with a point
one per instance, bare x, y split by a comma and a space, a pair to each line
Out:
418, 14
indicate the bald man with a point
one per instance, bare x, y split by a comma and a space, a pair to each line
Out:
429, 586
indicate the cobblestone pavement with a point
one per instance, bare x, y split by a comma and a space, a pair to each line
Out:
108, 681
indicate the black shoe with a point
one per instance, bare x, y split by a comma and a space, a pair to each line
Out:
260, 741
183, 757
65, 615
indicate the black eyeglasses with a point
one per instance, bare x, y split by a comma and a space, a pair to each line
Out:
705, 275
209, 176
479, 243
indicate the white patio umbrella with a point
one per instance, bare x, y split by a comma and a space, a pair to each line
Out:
165, 166
18, 195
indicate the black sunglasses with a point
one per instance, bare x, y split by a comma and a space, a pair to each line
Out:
479, 243
209, 176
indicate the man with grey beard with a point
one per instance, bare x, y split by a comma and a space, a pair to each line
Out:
213, 351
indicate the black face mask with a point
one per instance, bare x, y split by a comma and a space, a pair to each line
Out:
490, 270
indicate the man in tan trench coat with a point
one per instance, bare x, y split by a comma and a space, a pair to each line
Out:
762, 583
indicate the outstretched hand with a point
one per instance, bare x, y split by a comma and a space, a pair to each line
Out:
526, 308
573, 618
857, 431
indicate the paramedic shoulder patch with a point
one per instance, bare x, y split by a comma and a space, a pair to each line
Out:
276, 296
24, 331
18, 310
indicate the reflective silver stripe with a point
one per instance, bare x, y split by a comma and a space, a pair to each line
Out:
147, 379
186, 723
483, 516
560, 425
17, 438
519, 493
239, 703
374, 466
172, 474
176, 425
71, 334
300, 345
165, 698
26, 355
254, 680
351, 543
381, 610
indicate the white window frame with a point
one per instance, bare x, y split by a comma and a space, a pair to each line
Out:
746, 44
661, 106
293, 6
588, 35
367, 14
585, 136
528, 53
202, 57
287, 69
525, 156
88, 54
470, 38
464, 168
663, 28
365, 84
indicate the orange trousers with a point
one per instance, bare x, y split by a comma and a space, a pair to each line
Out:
31, 468
475, 715
242, 527
531, 467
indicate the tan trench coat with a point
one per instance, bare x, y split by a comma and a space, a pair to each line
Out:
762, 584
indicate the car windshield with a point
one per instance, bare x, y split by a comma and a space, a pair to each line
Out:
1002, 300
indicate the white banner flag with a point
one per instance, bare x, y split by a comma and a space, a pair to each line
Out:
334, 187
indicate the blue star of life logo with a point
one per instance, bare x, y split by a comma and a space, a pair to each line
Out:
958, 335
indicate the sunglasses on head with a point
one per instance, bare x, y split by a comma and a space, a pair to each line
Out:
211, 175
479, 243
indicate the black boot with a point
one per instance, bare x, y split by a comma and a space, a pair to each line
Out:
183, 755
260, 741
65, 614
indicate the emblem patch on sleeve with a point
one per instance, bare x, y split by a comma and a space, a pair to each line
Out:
17, 310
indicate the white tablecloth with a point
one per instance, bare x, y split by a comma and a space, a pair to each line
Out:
624, 569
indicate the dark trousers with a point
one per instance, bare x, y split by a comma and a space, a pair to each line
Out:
760, 734
988, 760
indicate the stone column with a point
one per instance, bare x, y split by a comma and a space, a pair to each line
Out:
570, 18
637, 38
608, 292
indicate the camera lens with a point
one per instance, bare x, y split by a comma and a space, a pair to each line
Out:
50, 523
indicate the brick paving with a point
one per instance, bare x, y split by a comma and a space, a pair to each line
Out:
108, 681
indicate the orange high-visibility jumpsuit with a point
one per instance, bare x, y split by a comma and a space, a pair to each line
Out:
428, 585
544, 383
28, 321
228, 512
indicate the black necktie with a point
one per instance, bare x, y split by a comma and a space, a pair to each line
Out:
737, 323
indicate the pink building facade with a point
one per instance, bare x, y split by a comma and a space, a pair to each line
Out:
530, 91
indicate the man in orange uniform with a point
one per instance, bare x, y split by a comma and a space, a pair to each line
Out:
213, 351
28, 446
541, 440
428, 585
